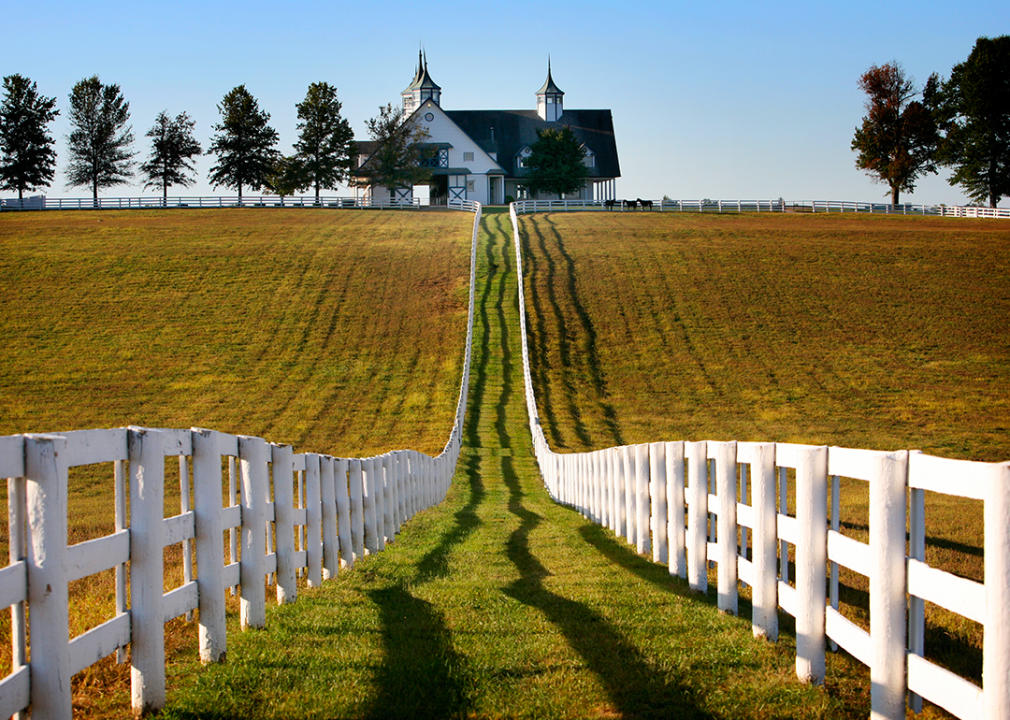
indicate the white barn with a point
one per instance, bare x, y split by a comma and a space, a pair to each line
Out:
479, 154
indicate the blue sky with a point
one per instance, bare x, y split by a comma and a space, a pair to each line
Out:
720, 100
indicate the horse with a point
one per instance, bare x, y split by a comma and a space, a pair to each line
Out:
630, 204
609, 204
646, 204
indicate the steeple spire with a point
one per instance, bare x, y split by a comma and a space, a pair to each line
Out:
421, 88
550, 98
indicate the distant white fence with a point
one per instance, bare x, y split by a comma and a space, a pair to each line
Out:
293, 512
642, 493
251, 201
723, 206
976, 212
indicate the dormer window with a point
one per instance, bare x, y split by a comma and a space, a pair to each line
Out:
589, 159
522, 156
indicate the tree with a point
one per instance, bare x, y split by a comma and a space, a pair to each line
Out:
244, 143
27, 157
285, 177
898, 138
173, 148
974, 112
100, 142
556, 163
398, 150
325, 146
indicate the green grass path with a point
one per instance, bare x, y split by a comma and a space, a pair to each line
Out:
499, 603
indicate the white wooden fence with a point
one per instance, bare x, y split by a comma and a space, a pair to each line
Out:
976, 212
250, 201
727, 491
722, 206
338, 509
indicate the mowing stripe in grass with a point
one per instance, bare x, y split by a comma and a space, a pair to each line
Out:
499, 603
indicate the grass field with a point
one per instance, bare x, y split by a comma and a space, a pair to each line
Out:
861, 331
499, 603
858, 331
337, 332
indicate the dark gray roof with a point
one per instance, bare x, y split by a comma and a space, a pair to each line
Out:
549, 85
422, 80
515, 129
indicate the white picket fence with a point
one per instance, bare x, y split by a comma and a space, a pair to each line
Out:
738, 206
338, 510
728, 492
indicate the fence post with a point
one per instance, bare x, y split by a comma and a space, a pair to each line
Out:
381, 501
631, 507
642, 501
233, 533
916, 605
398, 460
657, 490
147, 616
765, 620
356, 488
254, 454
343, 512
413, 482
586, 474
368, 504
284, 522
17, 552
207, 507
724, 454
784, 509
675, 508
615, 479
603, 498
996, 644
49, 618
811, 563
585, 482
697, 516
388, 498
328, 517
887, 586
313, 520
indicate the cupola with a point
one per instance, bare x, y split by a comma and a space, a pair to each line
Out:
550, 99
421, 88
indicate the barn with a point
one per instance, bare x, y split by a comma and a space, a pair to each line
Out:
480, 154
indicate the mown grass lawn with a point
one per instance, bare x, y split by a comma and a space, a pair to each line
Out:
335, 331
861, 331
499, 603
858, 331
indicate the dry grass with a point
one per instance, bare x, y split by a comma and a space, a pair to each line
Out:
334, 331
857, 331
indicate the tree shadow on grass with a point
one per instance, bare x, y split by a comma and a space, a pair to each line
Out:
435, 563
634, 687
422, 676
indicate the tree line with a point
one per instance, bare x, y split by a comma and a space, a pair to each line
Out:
961, 123
101, 142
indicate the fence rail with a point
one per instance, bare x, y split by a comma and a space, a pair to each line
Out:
256, 201
728, 491
294, 512
39, 202
723, 206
